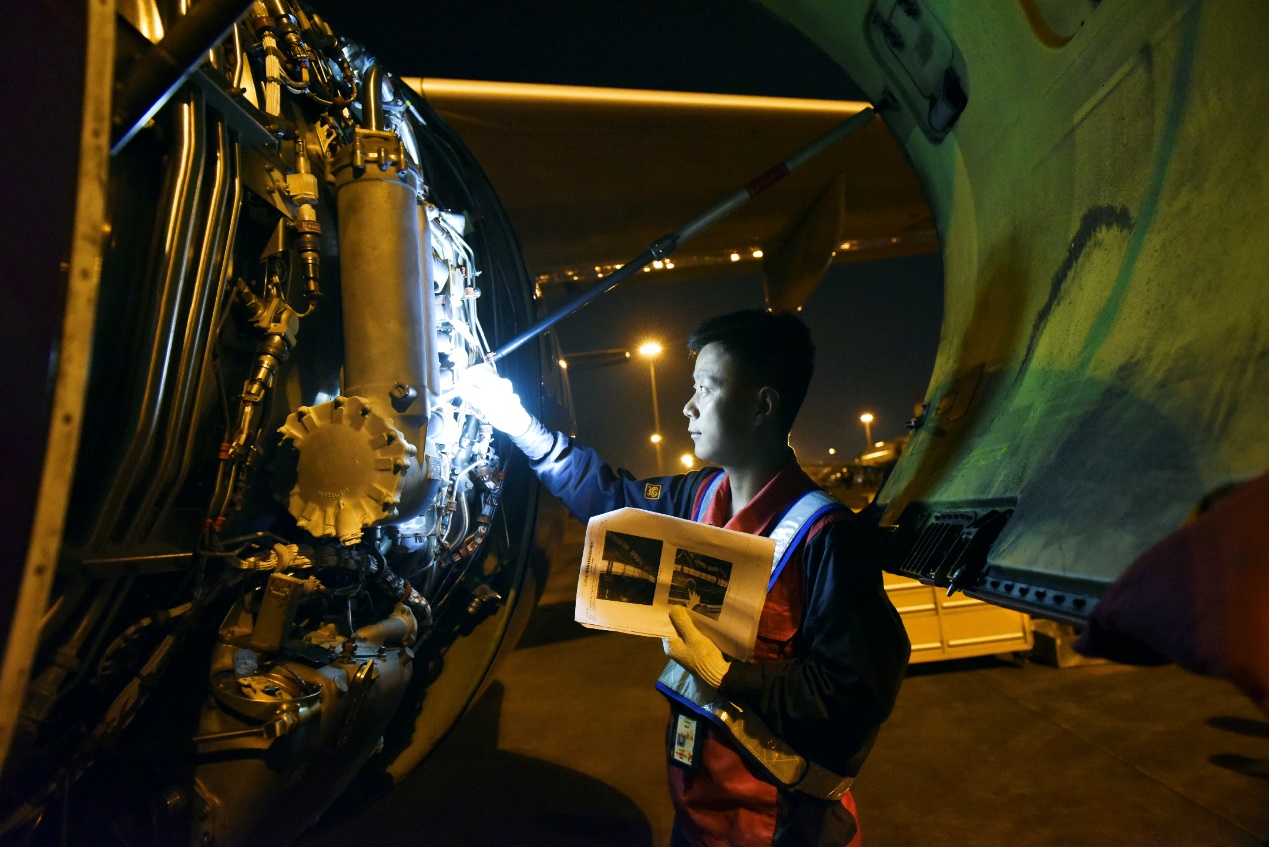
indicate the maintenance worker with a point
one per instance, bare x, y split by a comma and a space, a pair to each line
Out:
760, 753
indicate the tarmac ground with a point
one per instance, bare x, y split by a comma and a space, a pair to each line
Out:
564, 749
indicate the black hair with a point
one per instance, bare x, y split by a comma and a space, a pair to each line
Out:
774, 349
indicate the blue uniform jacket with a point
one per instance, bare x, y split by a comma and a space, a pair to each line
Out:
850, 649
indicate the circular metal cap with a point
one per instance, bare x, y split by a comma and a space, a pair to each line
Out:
352, 467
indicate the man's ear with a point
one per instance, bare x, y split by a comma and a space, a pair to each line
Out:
768, 405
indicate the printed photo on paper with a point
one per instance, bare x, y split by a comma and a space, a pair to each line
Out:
637, 565
631, 565
699, 582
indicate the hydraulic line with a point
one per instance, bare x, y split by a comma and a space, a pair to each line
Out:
182, 190
219, 306
196, 325
667, 244
372, 99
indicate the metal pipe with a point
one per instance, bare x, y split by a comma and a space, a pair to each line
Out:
284, 724
372, 98
667, 244
219, 304
195, 326
182, 189
427, 274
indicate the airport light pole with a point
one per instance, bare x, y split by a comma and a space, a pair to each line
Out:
650, 350
866, 419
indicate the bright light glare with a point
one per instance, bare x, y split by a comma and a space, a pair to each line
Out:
658, 264
686, 459
832, 451
650, 348
686, 102
735, 257
866, 417
563, 364
656, 438
880, 444
757, 254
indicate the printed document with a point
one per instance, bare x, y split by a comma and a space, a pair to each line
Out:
637, 564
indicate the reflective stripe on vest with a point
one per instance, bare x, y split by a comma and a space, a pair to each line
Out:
794, 525
784, 765
710, 490
780, 761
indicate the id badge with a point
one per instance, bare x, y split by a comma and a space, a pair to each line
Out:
686, 737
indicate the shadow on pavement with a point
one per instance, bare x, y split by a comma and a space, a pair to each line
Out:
551, 624
955, 666
469, 793
1242, 726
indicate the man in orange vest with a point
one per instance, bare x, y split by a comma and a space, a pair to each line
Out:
830, 651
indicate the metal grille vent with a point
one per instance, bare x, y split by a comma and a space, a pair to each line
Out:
938, 543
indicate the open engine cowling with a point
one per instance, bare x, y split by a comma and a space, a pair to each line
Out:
284, 526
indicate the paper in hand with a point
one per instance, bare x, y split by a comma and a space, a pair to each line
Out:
636, 564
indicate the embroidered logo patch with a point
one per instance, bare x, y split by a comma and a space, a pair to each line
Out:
652, 491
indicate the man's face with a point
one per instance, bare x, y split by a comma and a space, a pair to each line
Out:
720, 415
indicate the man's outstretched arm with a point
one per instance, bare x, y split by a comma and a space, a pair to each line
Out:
576, 474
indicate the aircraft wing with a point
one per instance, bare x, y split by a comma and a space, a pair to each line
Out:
591, 176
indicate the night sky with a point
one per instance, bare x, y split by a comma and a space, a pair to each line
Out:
716, 46
875, 324
875, 327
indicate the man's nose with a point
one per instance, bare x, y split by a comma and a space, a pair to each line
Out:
689, 408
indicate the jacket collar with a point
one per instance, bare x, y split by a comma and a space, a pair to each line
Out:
760, 514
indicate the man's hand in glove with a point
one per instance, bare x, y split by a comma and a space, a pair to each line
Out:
692, 649
494, 399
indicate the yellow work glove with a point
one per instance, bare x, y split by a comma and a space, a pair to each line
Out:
692, 649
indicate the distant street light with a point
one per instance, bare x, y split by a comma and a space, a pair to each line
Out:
866, 419
832, 451
650, 350
687, 459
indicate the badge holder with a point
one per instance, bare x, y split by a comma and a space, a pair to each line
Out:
686, 738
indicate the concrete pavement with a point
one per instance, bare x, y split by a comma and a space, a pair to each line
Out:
565, 746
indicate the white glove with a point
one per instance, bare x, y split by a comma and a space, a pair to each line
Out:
692, 649
493, 398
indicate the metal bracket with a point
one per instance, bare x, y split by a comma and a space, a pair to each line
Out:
254, 127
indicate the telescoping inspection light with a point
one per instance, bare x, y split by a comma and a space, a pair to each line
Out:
657, 252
